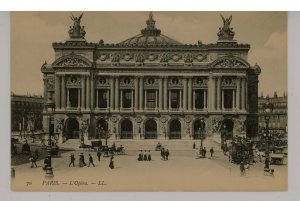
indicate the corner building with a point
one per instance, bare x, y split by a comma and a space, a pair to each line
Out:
151, 87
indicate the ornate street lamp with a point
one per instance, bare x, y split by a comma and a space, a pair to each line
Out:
267, 108
50, 111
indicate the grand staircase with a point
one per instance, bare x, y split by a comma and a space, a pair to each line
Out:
143, 144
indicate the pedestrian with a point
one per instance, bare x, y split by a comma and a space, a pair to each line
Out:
167, 154
140, 158
72, 158
114, 147
194, 145
204, 152
46, 163
162, 153
145, 156
81, 160
99, 154
247, 169
91, 161
211, 152
242, 168
149, 156
33, 160
111, 163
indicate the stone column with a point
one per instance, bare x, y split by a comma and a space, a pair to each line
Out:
92, 92
121, 99
68, 98
57, 92
180, 99
246, 94
83, 92
160, 104
145, 100
45, 91
108, 99
213, 100
233, 99
156, 99
97, 98
117, 93
218, 92
185, 90
63, 92
136, 91
190, 90
88, 90
194, 99
204, 99
243, 94
112, 93
238, 93
210, 83
141, 105
131, 99
165, 93
169, 99
79, 97
222, 99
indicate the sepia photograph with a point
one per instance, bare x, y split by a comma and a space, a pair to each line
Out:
140, 101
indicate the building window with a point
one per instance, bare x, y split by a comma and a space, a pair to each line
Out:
228, 98
102, 98
151, 98
73, 97
126, 98
199, 99
175, 98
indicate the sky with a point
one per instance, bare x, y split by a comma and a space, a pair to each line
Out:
32, 35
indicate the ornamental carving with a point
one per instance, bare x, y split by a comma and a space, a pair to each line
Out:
59, 125
230, 62
200, 57
176, 57
188, 119
115, 58
84, 124
226, 32
216, 124
164, 58
200, 82
241, 125
188, 58
139, 58
175, 82
114, 119
73, 81
138, 119
128, 57
102, 81
50, 84
76, 31
103, 57
228, 81
163, 119
127, 81
151, 81
72, 60
152, 57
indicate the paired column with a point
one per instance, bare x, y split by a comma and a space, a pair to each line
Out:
57, 91
205, 99
243, 93
97, 98
141, 93
92, 92
233, 99
160, 104
82, 92
213, 95
136, 91
117, 93
68, 98
112, 93
219, 92
88, 106
238, 93
185, 91
223, 100
190, 90
63, 92
78, 106
165, 93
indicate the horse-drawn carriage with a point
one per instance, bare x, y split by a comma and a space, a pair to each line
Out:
241, 150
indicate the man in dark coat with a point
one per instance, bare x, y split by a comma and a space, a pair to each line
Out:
91, 161
111, 163
242, 168
167, 154
204, 152
72, 158
99, 154
140, 158
211, 152
149, 156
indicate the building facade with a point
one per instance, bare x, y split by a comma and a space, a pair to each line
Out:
26, 113
151, 87
279, 119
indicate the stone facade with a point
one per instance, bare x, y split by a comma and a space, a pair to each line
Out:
151, 87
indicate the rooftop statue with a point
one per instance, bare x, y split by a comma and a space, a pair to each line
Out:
226, 33
77, 31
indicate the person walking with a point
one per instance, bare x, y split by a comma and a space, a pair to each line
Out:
211, 152
91, 161
204, 152
145, 156
162, 153
140, 158
167, 154
242, 168
72, 158
99, 154
33, 160
81, 160
111, 163
194, 145
149, 156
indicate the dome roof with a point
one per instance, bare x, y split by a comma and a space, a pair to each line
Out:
150, 36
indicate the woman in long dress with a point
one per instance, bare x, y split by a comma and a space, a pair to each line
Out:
111, 163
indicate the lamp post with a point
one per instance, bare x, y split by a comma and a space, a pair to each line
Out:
267, 108
50, 111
